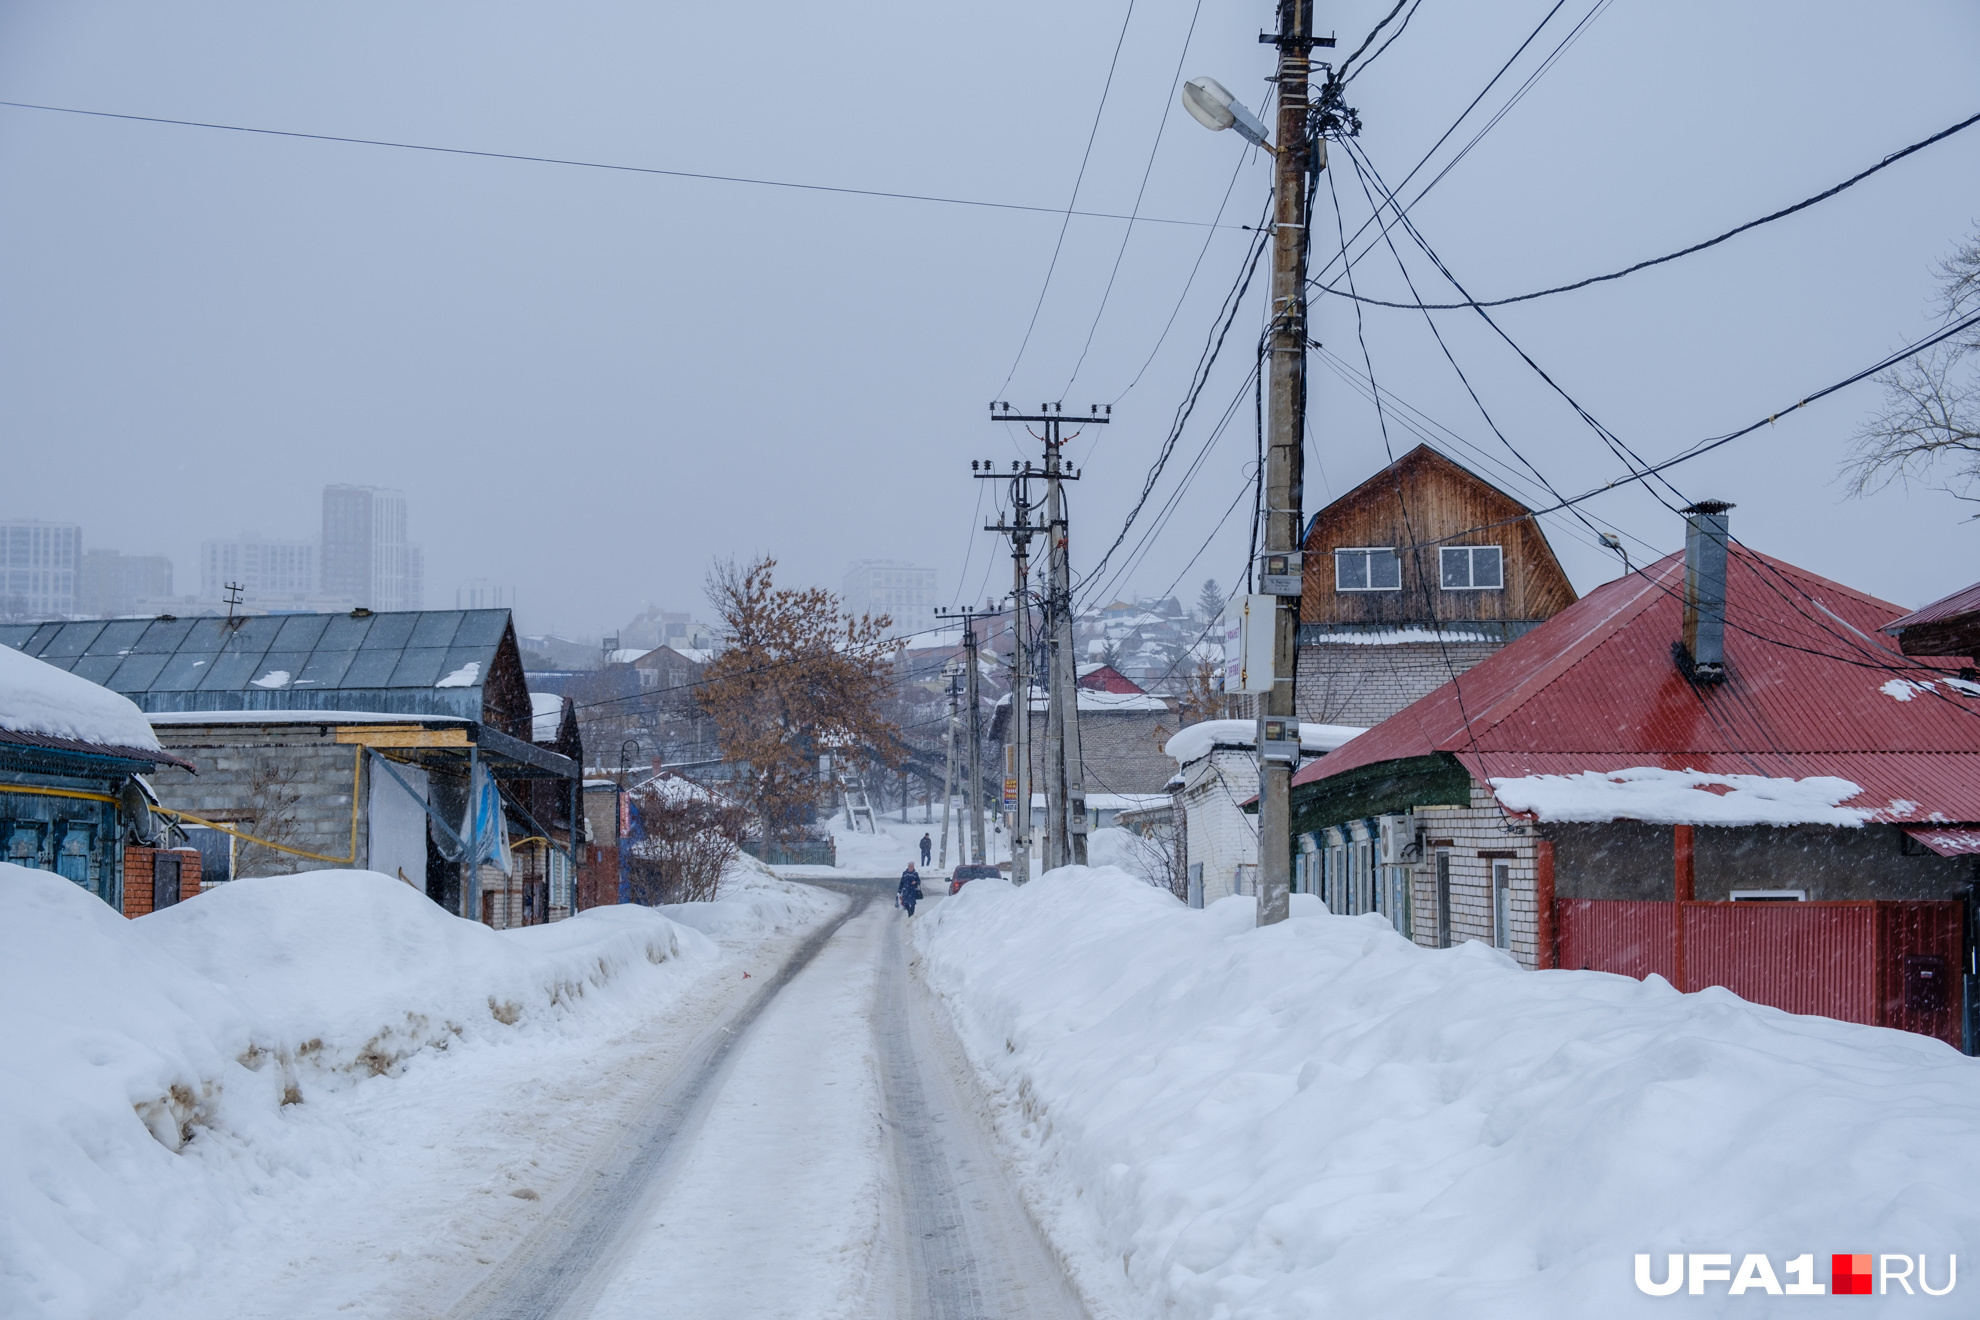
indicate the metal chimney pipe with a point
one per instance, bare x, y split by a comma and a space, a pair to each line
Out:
1701, 655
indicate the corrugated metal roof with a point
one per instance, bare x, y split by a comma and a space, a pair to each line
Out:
417, 661
1812, 690
1964, 601
1947, 841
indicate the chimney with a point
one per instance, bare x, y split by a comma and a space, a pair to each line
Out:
1701, 656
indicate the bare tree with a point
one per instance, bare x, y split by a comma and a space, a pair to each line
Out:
1929, 429
691, 837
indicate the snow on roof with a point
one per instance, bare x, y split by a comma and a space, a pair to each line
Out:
546, 713
625, 655
1679, 797
38, 698
1200, 739
1394, 637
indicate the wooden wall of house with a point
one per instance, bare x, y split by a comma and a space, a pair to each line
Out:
1422, 498
505, 692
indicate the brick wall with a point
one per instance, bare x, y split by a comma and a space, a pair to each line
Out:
138, 893
1472, 830
1219, 834
1363, 684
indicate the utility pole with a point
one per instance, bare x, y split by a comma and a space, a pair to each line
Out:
1064, 770
973, 752
1285, 447
948, 776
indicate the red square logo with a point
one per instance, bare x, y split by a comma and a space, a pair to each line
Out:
1849, 1275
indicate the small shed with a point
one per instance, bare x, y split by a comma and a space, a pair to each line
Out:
70, 755
344, 740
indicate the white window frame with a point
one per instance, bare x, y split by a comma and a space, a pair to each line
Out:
1470, 553
1367, 553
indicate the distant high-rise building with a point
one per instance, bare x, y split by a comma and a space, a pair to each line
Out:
902, 592
366, 557
113, 583
39, 565
271, 574
484, 594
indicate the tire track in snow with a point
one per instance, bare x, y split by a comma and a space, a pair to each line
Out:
590, 1224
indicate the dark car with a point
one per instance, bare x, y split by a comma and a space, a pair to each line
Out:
962, 875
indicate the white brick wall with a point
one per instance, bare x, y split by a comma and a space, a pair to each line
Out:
1221, 836
1353, 683
1480, 827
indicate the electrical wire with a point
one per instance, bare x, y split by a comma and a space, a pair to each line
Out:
1072, 201
1212, 349
607, 165
1714, 241
1347, 72
1531, 37
1161, 126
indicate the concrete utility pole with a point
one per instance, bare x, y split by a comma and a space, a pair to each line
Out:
973, 752
1020, 530
1285, 446
973, 755
948, 776
1069, 768
1063, 770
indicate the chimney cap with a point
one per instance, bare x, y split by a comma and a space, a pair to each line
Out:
1709, 506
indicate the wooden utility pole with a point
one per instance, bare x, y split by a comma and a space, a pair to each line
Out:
973, 752
1285, 445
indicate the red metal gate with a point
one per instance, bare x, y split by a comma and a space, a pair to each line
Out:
1881, 964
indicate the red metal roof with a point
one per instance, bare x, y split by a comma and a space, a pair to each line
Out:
1947, 840
1106, 678
1964, 601
1812, 689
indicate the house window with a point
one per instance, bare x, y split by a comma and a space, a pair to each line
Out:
1473, 568
1368, 569
1502, 905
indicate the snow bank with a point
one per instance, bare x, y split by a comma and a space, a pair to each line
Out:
1321, 1119
124, 1040
39, 698
1196, 740
1680, 797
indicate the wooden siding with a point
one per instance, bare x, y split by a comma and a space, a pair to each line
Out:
1442, 500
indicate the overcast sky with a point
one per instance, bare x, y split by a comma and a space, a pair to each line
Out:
591, 383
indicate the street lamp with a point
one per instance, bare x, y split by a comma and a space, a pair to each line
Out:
1210, 103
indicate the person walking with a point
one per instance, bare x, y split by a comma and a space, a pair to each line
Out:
910, 892
927, 848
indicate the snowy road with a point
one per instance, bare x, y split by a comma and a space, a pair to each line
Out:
822, 1154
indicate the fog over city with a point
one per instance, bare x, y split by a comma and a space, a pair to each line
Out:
588, 384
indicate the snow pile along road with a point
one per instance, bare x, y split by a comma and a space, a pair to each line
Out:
1322, 1119
158, 1071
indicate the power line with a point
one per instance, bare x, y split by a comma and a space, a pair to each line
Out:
1714, 241
1462, 115
615, 168
1347, 71
1072, 201
1212, 348
1161, 126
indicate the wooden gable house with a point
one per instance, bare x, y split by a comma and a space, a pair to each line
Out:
1411, 578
